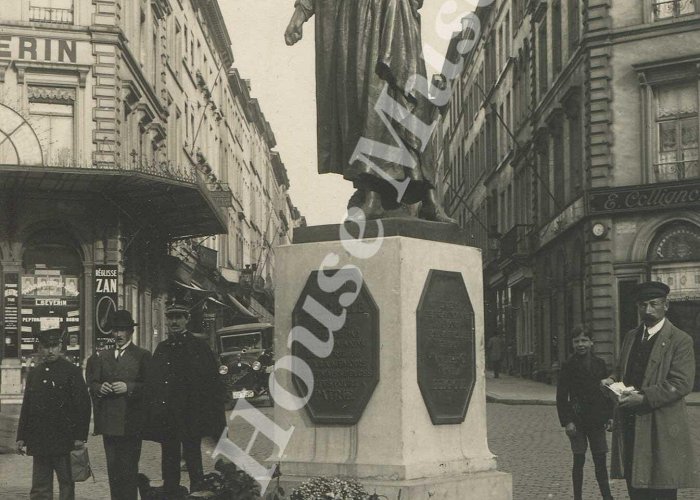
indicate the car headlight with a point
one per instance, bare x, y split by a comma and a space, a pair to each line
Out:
256, 365
223, 370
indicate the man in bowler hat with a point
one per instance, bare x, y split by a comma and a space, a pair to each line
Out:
186, 399
54, 419
116, 379
651, 447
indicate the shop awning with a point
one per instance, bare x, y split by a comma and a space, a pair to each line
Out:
243, 309
192, 286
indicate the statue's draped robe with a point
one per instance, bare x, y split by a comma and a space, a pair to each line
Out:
363, 46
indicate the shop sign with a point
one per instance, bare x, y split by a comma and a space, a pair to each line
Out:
11, 314
639, 198
106, 286
32, 48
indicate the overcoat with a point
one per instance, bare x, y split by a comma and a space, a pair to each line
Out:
370, 52
55, 410
663, 454
184, 391
118, 414
579, 398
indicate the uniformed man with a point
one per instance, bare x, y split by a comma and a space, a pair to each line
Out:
116, 378
186, 399
54, 419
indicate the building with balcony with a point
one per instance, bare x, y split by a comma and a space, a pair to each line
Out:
133, 163
571, 149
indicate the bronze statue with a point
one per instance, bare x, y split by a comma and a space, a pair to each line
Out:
374, 114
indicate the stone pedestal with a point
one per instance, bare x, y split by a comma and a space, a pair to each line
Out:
394, 448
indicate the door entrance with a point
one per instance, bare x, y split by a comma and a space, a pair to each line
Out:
685, 314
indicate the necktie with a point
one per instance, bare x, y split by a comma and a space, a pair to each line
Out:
645, 338
120, 352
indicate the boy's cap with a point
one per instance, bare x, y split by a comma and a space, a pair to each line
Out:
651, 290
50, 338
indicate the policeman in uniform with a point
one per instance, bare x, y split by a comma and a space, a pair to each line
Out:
116, 378
186, 399
54, 419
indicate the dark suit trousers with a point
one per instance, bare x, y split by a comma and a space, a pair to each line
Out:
42, 478
123, 454
170, 465
639, 493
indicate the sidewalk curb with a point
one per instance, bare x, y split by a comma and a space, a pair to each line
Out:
490, 398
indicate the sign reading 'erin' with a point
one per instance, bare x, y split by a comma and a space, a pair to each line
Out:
650, 197
31, 48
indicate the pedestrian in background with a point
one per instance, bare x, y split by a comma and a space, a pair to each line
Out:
116, 379
55, 418
652, 448
186, 400
497, 351
584, 411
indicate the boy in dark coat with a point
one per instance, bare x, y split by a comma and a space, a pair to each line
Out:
185, 399
54, 419
116, 378
584, 411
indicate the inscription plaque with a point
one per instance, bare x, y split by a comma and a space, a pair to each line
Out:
446, 347
344, 380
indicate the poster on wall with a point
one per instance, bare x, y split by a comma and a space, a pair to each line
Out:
11, 315
49, 299
106, 286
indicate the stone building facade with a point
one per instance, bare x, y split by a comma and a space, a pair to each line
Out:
133, 163
571, 142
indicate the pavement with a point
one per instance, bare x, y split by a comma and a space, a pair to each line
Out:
523, 432
519, 391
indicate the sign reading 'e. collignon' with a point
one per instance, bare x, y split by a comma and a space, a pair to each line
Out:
647, 197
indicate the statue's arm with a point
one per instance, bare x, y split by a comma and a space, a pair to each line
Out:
303, 10
307, 6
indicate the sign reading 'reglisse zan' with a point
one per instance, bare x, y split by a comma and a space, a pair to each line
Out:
646, 197
446, 347
345, 379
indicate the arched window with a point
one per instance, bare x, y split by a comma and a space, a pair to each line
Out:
676, 242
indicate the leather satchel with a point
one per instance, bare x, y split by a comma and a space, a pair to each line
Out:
80, 465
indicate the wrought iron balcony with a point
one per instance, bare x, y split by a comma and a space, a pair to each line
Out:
50, 15
516, 242
665, 9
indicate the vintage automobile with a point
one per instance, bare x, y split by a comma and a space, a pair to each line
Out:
245, 357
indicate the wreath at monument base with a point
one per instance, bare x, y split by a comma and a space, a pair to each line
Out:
331, 488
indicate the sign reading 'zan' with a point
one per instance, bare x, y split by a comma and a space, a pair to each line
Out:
30, 48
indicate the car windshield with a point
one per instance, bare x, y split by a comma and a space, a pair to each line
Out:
236, 342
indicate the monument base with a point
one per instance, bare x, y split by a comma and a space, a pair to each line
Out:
399, 402
489, 485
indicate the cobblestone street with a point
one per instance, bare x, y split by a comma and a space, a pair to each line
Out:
532, 446
528, 440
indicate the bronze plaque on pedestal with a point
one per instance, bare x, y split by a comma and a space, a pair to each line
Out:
446, 347
344, 380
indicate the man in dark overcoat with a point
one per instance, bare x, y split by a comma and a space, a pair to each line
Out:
55, 418
116, 379
652, 449
186, 399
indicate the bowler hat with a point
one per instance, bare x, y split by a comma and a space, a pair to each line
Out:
51, 338
176, 306
121, 319
651, 290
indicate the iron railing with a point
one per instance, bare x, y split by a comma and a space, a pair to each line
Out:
50, 15
665, 9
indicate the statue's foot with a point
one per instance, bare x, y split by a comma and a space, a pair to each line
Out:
371, 206
357, 198
432, 212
